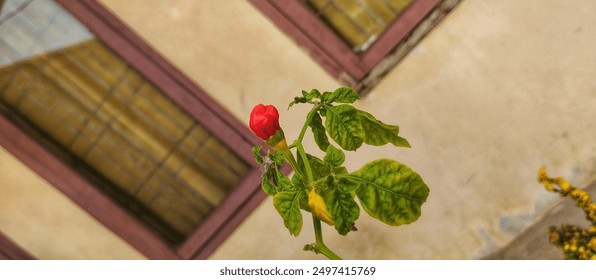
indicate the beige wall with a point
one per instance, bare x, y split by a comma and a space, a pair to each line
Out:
43, 221
498, 89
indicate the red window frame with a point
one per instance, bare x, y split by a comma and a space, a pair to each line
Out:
9, 250
221, 222
333, 53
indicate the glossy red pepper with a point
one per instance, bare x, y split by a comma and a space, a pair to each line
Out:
264, 121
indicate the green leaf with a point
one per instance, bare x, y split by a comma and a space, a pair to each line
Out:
341, 95
325, 96
343, 209
267, 186
324, 183
318, 130
297, 100
299, 184
281, 181
344, 127
377, 133
306, 97
318, 167
346, 184
334, 157
298, 181
390, 191
287, 205
314, 93
277, 157
256, 151
304, 200
340, 170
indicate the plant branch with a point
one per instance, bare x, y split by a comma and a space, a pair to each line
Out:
320, 246
300, 148
307, 168
290, 158
309, 117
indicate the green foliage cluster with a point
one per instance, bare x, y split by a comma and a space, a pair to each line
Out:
386, 189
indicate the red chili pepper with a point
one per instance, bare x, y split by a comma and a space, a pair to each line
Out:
264, 121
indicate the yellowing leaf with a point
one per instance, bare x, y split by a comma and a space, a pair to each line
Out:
343, 126
377, 133
318, 207
390, 191
287, 205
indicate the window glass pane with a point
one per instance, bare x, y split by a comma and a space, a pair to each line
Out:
359, 22
67, 87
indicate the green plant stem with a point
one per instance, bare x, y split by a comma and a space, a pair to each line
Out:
290, 158
319, 246
307, 168
300, 149
309, 117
